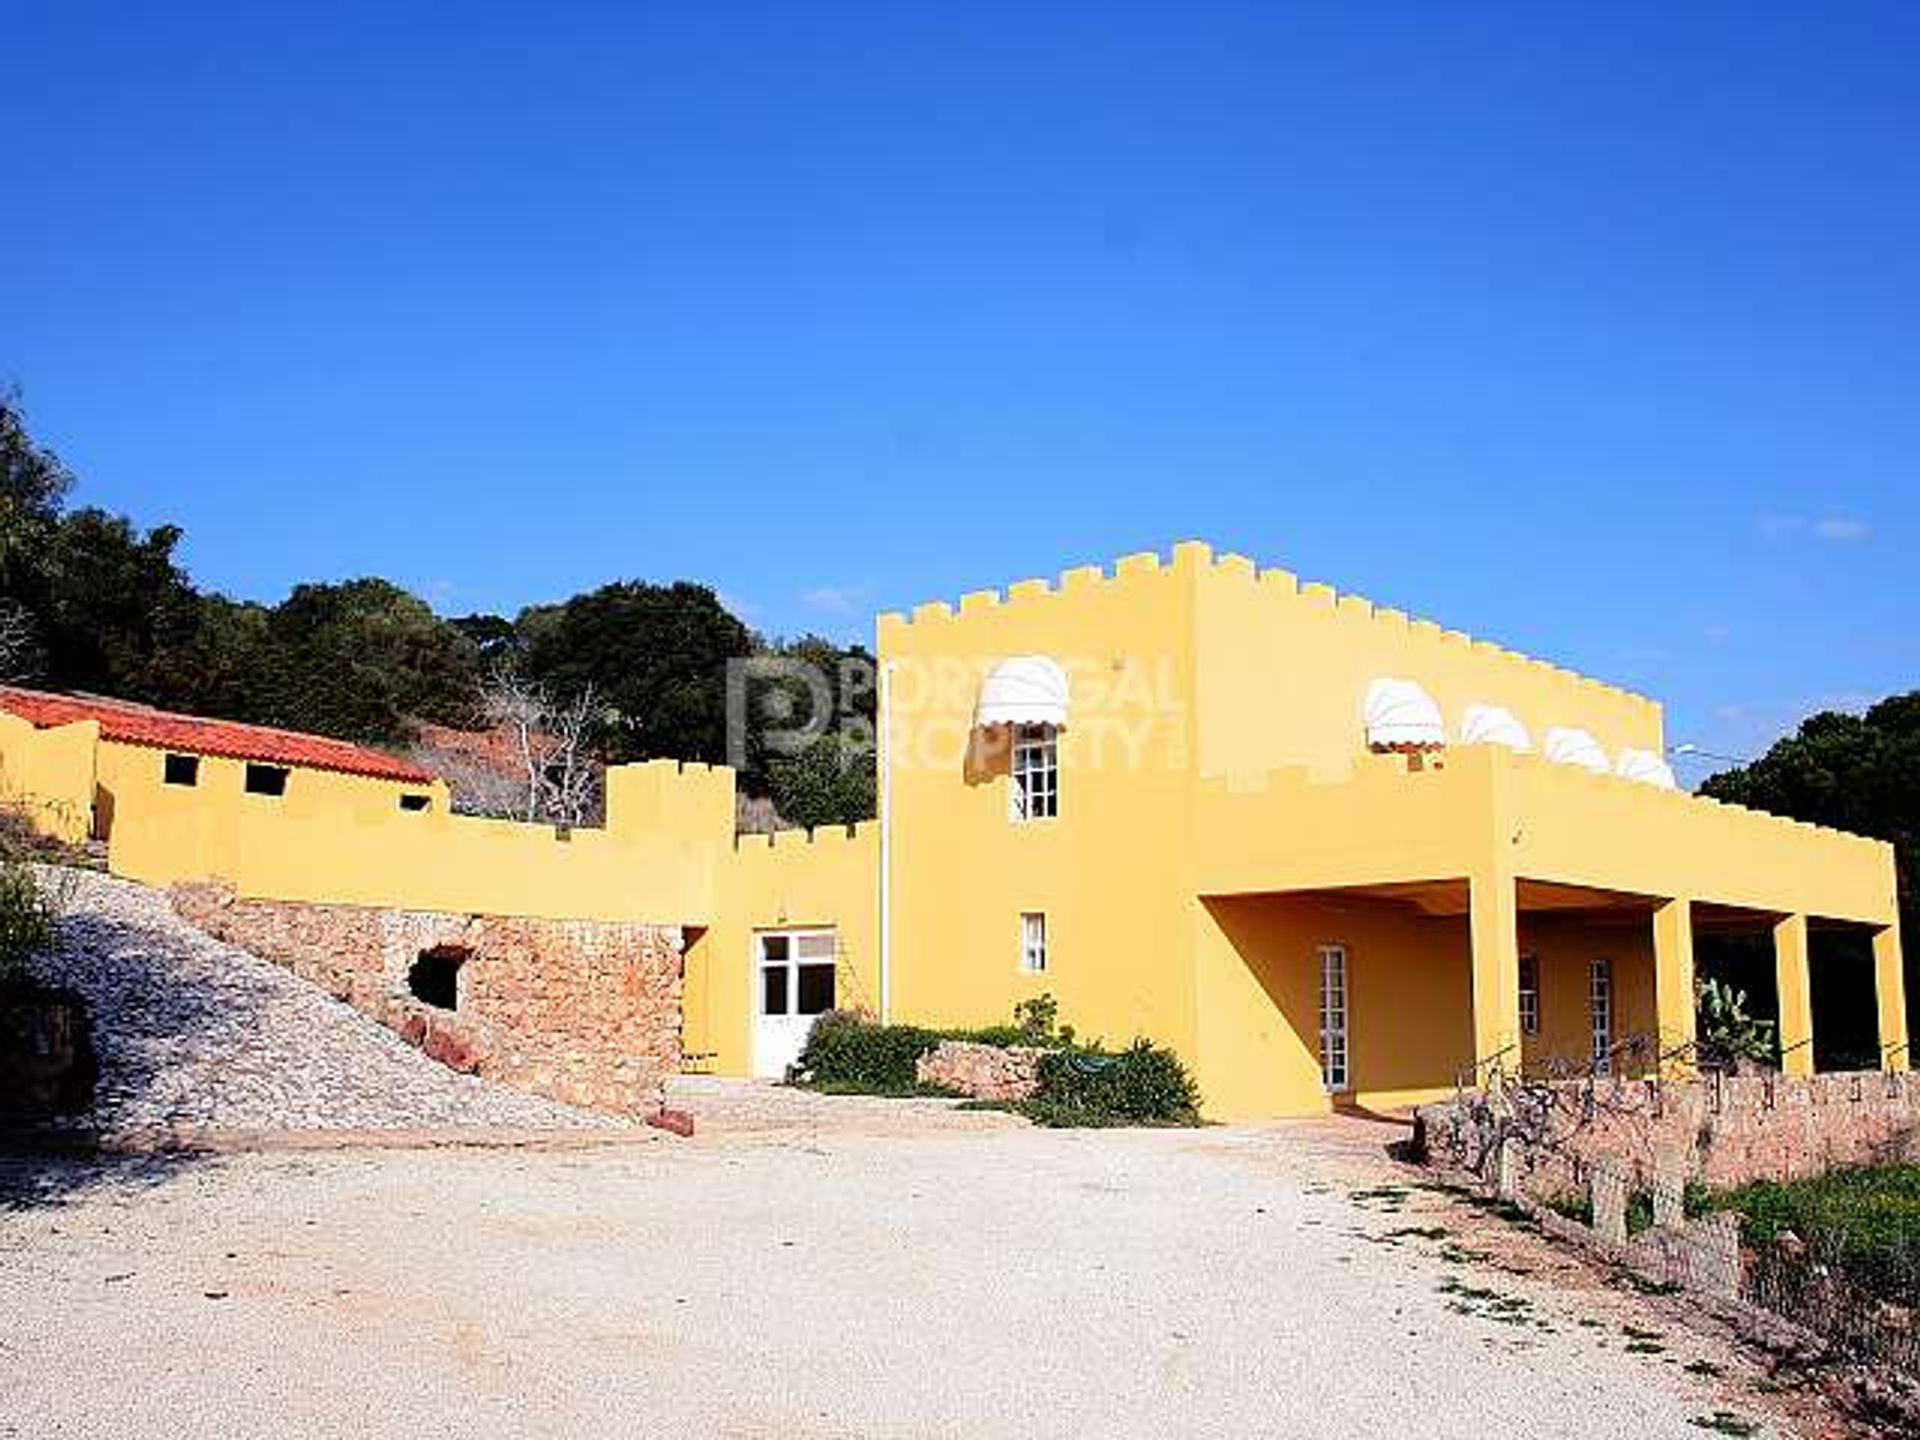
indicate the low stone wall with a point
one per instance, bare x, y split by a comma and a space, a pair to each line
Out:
986, 1072
1723, 1130
587, 1013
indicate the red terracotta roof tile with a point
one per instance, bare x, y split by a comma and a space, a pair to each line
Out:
132, 724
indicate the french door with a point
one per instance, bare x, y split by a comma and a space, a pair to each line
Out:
793, 977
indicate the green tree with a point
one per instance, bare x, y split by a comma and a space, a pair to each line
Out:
655, 657
33, 486
115, 605
828, 782
830, 689
496, 639
359, 660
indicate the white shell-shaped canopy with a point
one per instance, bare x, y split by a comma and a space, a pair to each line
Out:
1494, 725
1023, 690
1400, 715
1645, 767
1567, 745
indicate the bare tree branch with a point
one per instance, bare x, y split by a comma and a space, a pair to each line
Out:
18, 641
550, 738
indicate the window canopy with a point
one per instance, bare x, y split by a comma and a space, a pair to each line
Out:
1402, 716
1023, 690
1645, 767
1494, 725
1567, 745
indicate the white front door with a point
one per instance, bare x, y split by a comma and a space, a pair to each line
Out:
793, 975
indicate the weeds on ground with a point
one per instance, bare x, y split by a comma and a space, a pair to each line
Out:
1485, 1304
1391, 1199
1725, 1422
1864, 1222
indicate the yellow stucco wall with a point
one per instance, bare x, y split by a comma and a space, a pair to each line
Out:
1283, 671
1565, 951
1110, 873
135, 774
49, 774
343, 840
1257, 966
792, 880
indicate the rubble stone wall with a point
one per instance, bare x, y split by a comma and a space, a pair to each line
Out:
584, 1012
986, 1072
1724, 1130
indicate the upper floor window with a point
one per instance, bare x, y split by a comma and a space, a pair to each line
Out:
266, 779
181, 770
1036, 772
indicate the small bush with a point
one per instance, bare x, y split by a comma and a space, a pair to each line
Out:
1142, 1085
1037, 1020
26, 919
846, 1054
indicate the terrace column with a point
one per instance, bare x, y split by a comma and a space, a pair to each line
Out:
1890, 987
1495, 933
1673, 997
1794, 981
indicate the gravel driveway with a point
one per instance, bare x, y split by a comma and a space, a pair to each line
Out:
999, 1282
194, 1033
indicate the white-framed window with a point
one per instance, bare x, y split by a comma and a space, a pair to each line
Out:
1333, 1017
797, 972
1033, 941
1035, 792
1529, 995
1600, 1012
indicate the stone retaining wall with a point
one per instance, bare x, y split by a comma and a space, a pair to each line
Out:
586, 1013
1724, 1130
986, 1072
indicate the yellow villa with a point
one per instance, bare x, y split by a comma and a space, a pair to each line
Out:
1329, 853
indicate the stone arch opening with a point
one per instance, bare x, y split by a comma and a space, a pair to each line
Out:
434, 977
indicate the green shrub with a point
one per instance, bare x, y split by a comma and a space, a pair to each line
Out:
1037, 1021
26, 919
1142, 1085
1727, 1033
847, 1054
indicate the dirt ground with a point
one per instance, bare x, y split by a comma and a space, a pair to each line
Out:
794, 1277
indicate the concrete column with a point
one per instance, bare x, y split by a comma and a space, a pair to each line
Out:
1890, 987
1495, 930
1794, 981
1673, 996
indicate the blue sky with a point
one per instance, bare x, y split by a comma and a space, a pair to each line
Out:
1596, 331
